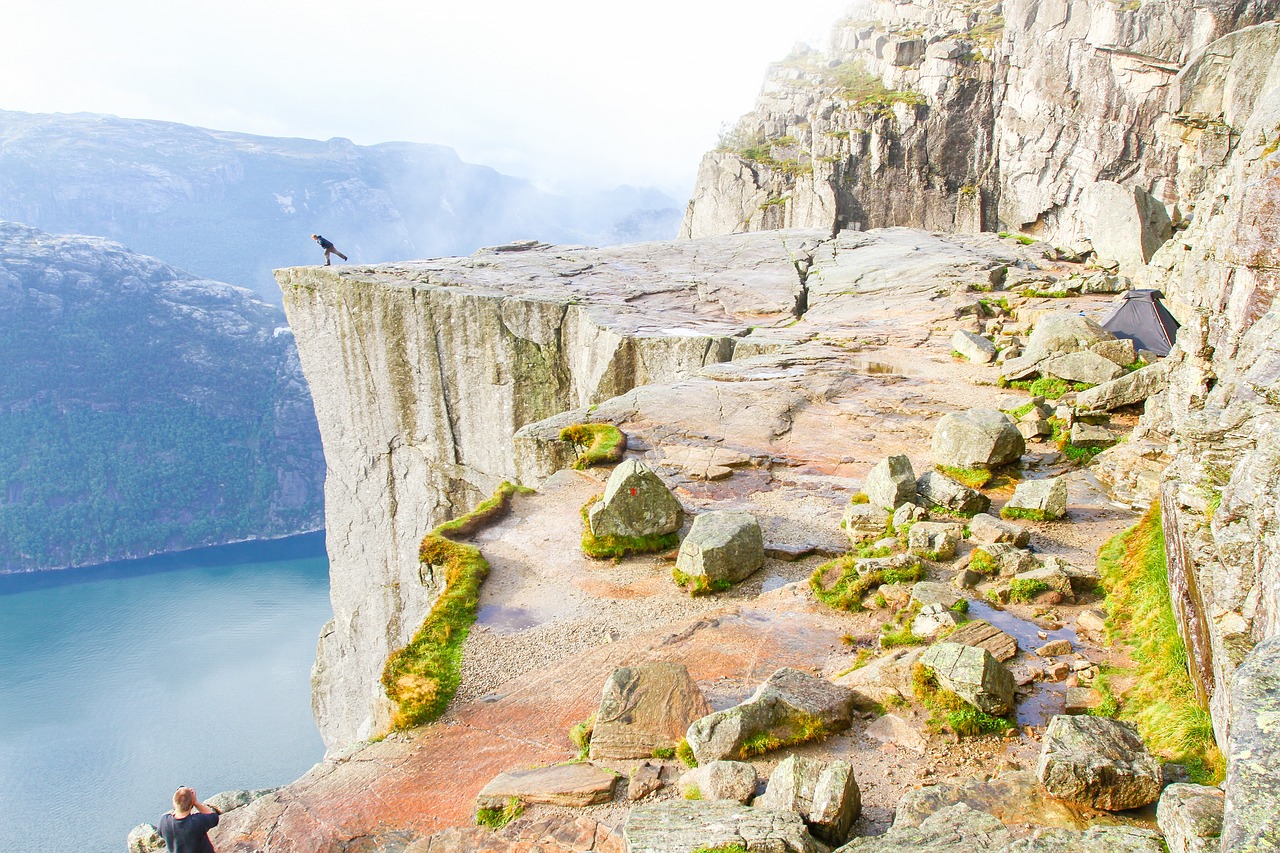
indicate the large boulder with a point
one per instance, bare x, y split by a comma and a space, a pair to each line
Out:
790, 707
1063, 332
988, 530
558, 785
934, 540
973, 674
891, 483
1040, 499
635, 503
720, 780
884, 681
1125, 391
976, 348
1190, 817
824, 793
722, 546
645, 707
937, 489
1126, 224
679, 826
1083, 366
1098, 762
864, 522
1252, 820
978, 438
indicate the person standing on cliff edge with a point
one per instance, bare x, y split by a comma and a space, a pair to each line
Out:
328, 248
186, 828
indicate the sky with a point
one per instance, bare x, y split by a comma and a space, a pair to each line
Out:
569, 93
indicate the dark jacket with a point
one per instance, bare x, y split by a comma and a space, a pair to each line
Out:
324, 244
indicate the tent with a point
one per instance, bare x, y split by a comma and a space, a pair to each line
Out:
1142, 318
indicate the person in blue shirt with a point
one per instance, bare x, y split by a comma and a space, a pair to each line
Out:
186, 828
328, 248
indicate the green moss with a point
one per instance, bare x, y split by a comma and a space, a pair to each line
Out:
860, 498
498, 818
1002, 303
693, 792
1025, 513
599, 444
484, 512
983, 563
1024, 409
724, 848
974, 478
946, 707
1137, 365
802, 730
698, 584
1024, 589
580, 736
664, 753
421, 678
684, 753
961, 606
1049, 387
900, 635
613, 547
851, 586
1162, 703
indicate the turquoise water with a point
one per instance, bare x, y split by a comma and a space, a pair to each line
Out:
119, 683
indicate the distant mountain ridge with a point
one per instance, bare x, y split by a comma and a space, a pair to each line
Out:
142, 409
232, 206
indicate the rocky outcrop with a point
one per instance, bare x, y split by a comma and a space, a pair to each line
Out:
1251, 823
1099, 762
1190, 817
891, 483
824, 793
681, 826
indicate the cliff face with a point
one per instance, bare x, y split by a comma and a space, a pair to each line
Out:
424, 371
1067, 119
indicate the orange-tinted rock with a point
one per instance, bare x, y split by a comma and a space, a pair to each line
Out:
644, 708
557, 785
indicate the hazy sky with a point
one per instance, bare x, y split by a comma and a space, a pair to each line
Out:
563, 91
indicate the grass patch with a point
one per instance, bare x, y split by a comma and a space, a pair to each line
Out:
860, 498
946, 707
1162, 703
684, 753
1023, 590
698, 584
1049, 387
802, 730
580, 736
1026, 513
864, 657
900, 635
1033, 293
486, 511
422, 677
851, 586
664, 753
1025, 408
974, 478
613, 547
693, 792
1061, 436
598, 444
983, 563
498, 818
724, 848
1002, 303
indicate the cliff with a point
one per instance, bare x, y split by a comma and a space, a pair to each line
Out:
142, 409
1064, 120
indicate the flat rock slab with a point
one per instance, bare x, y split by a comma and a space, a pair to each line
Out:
558, 785
989, 530
551, 834
681, 826
984, 635
644, 708
1098, 762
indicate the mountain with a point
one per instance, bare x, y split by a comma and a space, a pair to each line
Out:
142, 408
232, 207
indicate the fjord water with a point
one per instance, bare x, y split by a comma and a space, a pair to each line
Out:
118, 683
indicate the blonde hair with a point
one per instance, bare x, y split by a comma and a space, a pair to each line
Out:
183, 799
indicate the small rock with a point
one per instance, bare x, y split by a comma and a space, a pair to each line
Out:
896, 730
1054, 648
864, 523
908, 512
1090, 435
972, 674
645, 779
1092, 621
983, 635
720, 780
937, 489
976, 348
144, 838
986, 528
645, 707
1081, 700
679, 826
932, 620
934, 540
1057, 671
1083, 366
1120, 351
932, 592
884, 681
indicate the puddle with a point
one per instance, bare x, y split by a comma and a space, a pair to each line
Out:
505, 620
1026, 633
1048, 700
876, 368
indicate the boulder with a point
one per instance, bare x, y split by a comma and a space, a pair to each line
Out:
1190, 817
934, 540
144, 838
1125, 391
1091, 435
679, 826
1033, 427
989, 530
978, 438
884, 681
1020, 367
790, 707
558, 785
935, 592
1252, 812
864, 523
635, 503
932, 620
1082, 578
984, 635
1046, 498
645, 707
722, 546
1098, 762
937, 489
645, 779
1083, 366
972, 674
1008, 558
824, 793
955, 827
976, 348
1052, 577
720, 780
1063, 332
1125, 223
891, 483
1120, 351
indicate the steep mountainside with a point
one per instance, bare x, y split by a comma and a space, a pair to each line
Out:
233, 207
142, 409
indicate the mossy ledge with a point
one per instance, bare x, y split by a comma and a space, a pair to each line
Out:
615, 547
698, 584
1162, 703
602, 444
422, 677
974, 478
850, 586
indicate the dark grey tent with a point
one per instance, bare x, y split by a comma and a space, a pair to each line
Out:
1142, 318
